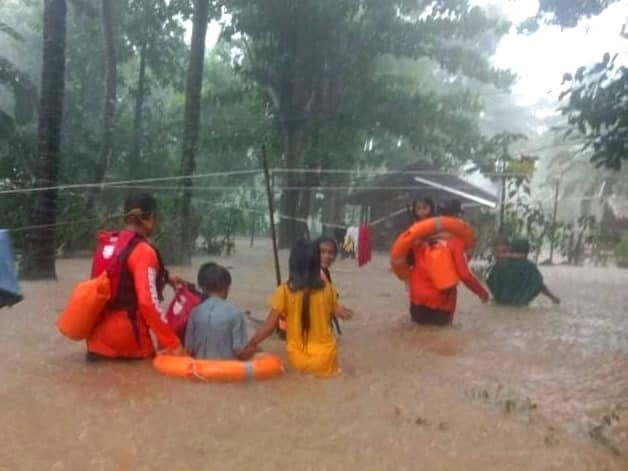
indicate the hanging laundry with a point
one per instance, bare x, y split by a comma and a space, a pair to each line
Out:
10, 292
351, 243
364, 245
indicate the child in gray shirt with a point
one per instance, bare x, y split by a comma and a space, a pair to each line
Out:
216, 329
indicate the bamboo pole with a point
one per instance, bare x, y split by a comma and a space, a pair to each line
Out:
553, 238
271, 212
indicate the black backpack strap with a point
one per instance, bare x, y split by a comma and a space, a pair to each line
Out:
129, 299
162, 276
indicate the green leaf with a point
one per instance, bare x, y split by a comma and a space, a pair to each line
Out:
9, 31
7, 125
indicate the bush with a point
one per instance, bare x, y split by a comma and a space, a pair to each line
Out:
621, 252
219, 228
78, 225
167, 238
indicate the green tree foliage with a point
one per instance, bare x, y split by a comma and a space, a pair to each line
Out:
22, 87
154, 33
566, 13
596, 107
318, 60
596, 100
325, 84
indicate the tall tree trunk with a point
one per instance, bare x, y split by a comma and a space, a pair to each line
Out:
304, 211
111, 80
289, 228
135, 160
332, 213
191, 123
39, 254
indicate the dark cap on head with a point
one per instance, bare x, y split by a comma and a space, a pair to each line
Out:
451, 208
520, 246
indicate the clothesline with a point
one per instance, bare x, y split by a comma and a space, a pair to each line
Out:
127, 182
278, 171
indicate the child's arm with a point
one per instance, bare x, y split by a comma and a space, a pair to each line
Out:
241, 350
343, 312
546, 291
266, 329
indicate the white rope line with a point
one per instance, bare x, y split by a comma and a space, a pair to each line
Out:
291, 188
378, 173
264, 213
359, 173
139, 182
58, 224
128, 182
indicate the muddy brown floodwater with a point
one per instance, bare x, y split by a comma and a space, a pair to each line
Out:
529, 389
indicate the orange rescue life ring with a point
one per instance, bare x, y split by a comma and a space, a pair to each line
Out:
225, 371
424, 230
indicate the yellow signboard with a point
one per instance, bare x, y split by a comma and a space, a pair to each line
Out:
522, 166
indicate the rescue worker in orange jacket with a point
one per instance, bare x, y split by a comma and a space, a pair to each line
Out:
429, 305
123, 330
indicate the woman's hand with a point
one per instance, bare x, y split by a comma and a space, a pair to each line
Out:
344, 313
176, 281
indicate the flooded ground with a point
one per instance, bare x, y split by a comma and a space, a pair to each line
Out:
537, 389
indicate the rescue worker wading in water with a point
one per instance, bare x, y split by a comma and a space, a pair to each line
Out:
123, 330
429, 305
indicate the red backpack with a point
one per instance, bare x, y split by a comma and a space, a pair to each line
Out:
185, 300
111, 253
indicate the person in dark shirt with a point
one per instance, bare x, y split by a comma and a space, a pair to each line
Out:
515, 280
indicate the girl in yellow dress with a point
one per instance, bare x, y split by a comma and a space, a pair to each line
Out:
307, 303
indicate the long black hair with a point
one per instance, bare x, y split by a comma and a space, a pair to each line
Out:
429, 201
139, 206
305, 275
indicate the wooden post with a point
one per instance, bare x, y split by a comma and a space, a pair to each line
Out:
502, 203
503, 187
252, 213
553, 238
252, 216
271, 211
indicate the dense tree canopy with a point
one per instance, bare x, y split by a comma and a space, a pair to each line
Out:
595, 102
325, 65
344, 84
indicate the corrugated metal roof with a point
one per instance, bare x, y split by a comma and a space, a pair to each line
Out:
430, 176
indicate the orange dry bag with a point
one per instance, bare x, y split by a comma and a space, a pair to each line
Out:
439, 265
90, 298
86, 304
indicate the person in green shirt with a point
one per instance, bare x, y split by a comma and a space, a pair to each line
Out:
515, 280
